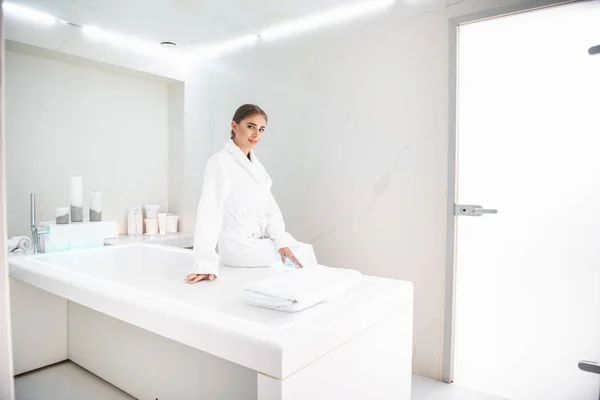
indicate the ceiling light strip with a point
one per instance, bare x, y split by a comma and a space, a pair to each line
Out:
29, 14
279, 31
332, 17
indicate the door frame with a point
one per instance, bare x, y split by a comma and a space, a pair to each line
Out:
450, 282
6, 367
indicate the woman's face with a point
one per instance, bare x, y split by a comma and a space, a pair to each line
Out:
249, 132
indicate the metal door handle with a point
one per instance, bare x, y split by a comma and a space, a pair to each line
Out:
589, 366
485, 211
470, 210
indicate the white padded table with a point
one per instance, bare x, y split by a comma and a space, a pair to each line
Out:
358, 345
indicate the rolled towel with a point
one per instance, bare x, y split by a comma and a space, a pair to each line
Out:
298, 289
25, 243
12, 244
19, 242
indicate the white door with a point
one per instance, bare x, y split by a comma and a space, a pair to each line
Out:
528, 277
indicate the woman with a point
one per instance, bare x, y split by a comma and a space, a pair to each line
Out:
239, 223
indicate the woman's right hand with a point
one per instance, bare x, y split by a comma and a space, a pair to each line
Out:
194, 278
286, 252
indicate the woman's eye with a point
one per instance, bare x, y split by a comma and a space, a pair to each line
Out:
250, 126
262, 130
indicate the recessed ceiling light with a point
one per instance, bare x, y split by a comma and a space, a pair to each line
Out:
123, 41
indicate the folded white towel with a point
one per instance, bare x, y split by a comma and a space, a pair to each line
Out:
19, 242
25, 243
297, 289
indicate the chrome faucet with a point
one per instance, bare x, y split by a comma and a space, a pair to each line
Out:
36, 231
590, 366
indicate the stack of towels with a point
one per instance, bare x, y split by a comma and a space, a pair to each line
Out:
19, 243
297, 289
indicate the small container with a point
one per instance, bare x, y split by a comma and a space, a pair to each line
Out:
95, 206
76, 184
131, 230
162, 223
151, 226
134, 221
172, 223
62, 215
139, 222
152, 211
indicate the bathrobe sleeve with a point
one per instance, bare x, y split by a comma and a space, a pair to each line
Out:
276, 226
209, 221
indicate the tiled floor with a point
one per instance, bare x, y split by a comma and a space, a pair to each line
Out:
68, 381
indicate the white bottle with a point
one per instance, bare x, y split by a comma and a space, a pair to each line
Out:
131, 222
139, 221
162, 223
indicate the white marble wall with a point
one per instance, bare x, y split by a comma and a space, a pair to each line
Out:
189, 152
356, 145
63, 119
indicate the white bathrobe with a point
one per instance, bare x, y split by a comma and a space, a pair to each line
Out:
239, 223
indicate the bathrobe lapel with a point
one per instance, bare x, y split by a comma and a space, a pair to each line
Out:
254, 168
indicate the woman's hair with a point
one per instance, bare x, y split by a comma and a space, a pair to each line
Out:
246, 111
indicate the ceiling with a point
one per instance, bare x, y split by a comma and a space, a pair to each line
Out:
186, 22
189, 23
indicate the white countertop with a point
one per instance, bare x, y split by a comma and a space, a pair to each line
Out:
179, 239
143, 284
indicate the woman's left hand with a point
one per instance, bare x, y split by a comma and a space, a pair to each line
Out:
286, 252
